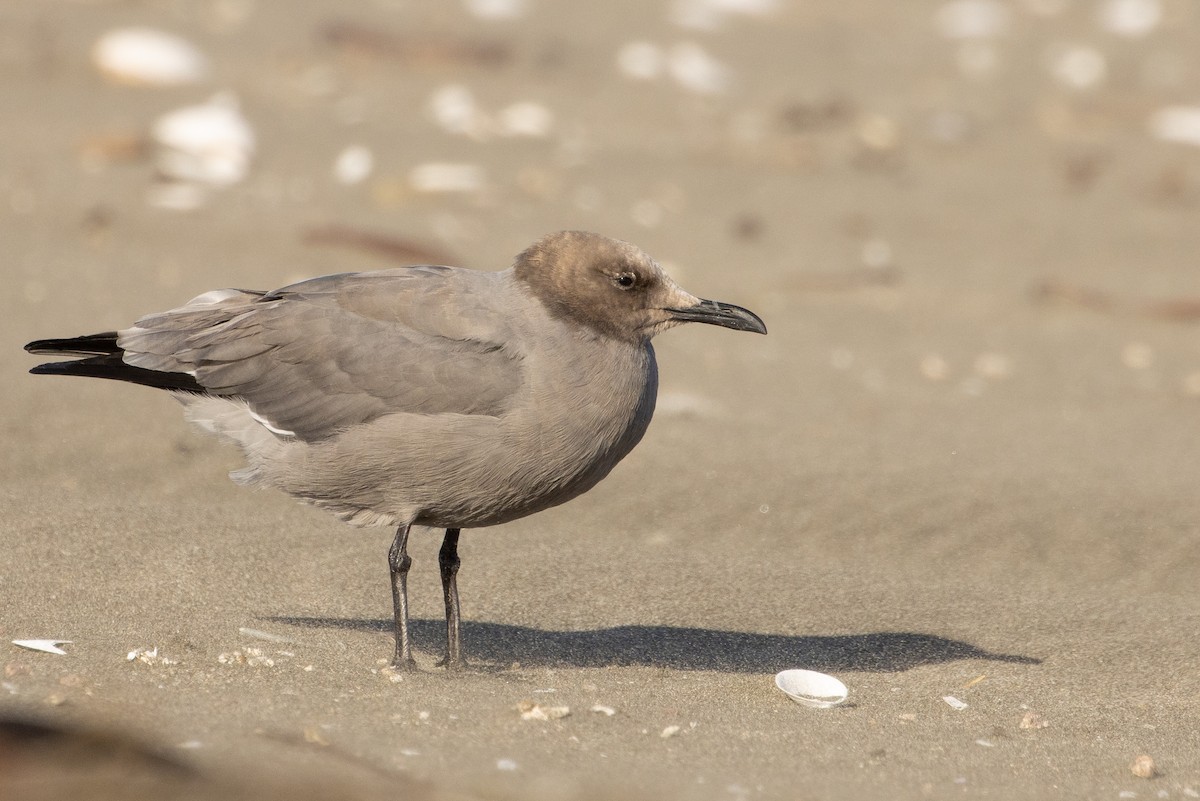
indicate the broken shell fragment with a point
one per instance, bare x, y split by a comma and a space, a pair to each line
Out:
211, 143
812, 689
45, 646
531, 710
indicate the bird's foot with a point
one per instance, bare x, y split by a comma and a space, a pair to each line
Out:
408, 665
456, 663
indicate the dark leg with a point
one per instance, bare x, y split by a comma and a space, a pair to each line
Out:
399, 561
448, 561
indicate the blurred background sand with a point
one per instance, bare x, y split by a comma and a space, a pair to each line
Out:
961, 464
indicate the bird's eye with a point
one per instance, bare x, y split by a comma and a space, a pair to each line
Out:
626, 280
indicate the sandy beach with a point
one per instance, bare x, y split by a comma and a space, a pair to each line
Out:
961, 465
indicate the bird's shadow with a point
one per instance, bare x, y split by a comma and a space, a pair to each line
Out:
682, 648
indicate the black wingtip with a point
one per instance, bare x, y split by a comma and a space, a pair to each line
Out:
111, 367
104, 344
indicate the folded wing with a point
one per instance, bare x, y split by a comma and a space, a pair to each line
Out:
316, 357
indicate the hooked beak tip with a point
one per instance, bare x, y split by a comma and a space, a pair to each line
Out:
725, 315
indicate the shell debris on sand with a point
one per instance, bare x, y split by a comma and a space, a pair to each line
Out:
811, 688
531, 710
149, 57
149, 656
1032, 720
251, 657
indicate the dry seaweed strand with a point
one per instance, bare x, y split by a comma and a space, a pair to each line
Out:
393, 248
430, 50
1184, 310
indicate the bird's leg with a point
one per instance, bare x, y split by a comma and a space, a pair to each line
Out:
399, 561
448, 561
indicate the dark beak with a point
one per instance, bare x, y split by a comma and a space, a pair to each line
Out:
723, 314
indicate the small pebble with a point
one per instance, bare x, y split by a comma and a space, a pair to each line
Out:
669, 732
1143, 767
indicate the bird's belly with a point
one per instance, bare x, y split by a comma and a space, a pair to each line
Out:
533, 469
467, 471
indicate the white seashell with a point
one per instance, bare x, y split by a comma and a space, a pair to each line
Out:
973, 19
496, 9
1177, 124
526, 118
1131, 18
641, 61
453, 107
437, 176
810, 688
210, 143
45, 646
1078, 66
693, 68
711, 14
149, 57
353, 164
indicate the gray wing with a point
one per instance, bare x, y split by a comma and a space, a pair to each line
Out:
316, 357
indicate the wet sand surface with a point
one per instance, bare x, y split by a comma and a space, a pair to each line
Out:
961, 464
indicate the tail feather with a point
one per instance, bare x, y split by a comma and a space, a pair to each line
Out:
103, 359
